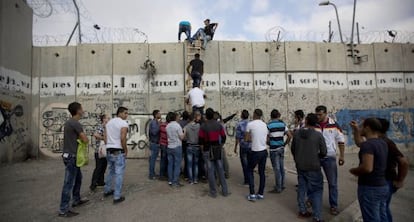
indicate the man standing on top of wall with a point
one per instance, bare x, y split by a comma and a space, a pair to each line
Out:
73, 175
197, 69
184, 26
206, 33
333, 136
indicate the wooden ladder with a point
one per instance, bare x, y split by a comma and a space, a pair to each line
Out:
191, 50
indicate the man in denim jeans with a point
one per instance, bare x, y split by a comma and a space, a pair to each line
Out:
193, 148
73, 175
184, 26
154, 139
256, 132
245, 147
116, 147
277, 132
373, 190
308, 146
333, 137
210, 134
175, 136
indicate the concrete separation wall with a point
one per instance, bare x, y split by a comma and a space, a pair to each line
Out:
238, 75
15, 81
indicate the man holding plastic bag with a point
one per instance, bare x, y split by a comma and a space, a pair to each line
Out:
73, 132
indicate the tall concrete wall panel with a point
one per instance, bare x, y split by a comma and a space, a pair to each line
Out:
391, 91
388, 57
16, 142
300, 56
302, 91
211, 77
362, 91
56, 90
331, 57
167, 88
408, 57
333, 91
366, 52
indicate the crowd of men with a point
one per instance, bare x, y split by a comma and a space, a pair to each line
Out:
198, 138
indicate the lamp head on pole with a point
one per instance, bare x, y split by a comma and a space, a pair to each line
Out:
324, 3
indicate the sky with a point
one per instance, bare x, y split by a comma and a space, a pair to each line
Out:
247, 20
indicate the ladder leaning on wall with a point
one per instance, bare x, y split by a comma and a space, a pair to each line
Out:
191, 50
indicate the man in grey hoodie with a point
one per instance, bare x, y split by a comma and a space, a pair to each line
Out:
193, 148
308, 146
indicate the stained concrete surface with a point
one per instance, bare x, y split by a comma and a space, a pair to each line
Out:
30, 191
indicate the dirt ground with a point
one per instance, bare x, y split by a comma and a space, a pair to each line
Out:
30, 191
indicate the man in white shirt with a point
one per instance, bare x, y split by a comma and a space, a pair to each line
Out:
256, 132
175, 136
116, 147
196, 98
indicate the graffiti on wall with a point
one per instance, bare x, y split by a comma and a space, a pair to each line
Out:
13, 128
401, 122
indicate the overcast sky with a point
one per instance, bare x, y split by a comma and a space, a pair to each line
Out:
238, 19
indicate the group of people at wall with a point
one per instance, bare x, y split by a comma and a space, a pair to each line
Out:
200, 138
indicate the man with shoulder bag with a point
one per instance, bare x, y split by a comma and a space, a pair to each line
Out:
210, 135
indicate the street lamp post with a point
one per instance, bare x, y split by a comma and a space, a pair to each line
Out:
324, 3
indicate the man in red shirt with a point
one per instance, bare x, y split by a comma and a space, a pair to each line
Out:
163, 146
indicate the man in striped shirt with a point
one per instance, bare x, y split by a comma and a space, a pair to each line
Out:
277, 132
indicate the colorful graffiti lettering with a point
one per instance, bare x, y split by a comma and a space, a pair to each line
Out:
6, 113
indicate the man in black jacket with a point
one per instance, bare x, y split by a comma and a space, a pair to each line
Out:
308, 146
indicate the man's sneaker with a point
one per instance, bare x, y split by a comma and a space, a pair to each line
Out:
251, 197
195, 181
259, 197
303, 215
81, 202
68, 214
226, 194
92, 188
334, 211
110, 193
212, 195
170, 183
117, 201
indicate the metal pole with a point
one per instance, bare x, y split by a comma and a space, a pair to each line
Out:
352, 32
71, 34
357, 27
79, 25
339, 24
330, 32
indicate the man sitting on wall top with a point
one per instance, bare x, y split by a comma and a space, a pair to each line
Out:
206, 33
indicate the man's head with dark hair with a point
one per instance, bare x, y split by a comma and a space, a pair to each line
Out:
257, 114
217, 116
311, 120
209, 113
75, 108
275, 114
122, 112
171, 116
299, 114
197, 55
185, 115
371, 126
207, 21
245, 114
322, 113
385, 125
156, 114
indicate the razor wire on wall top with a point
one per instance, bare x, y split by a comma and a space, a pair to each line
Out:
279, 34
91, 31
